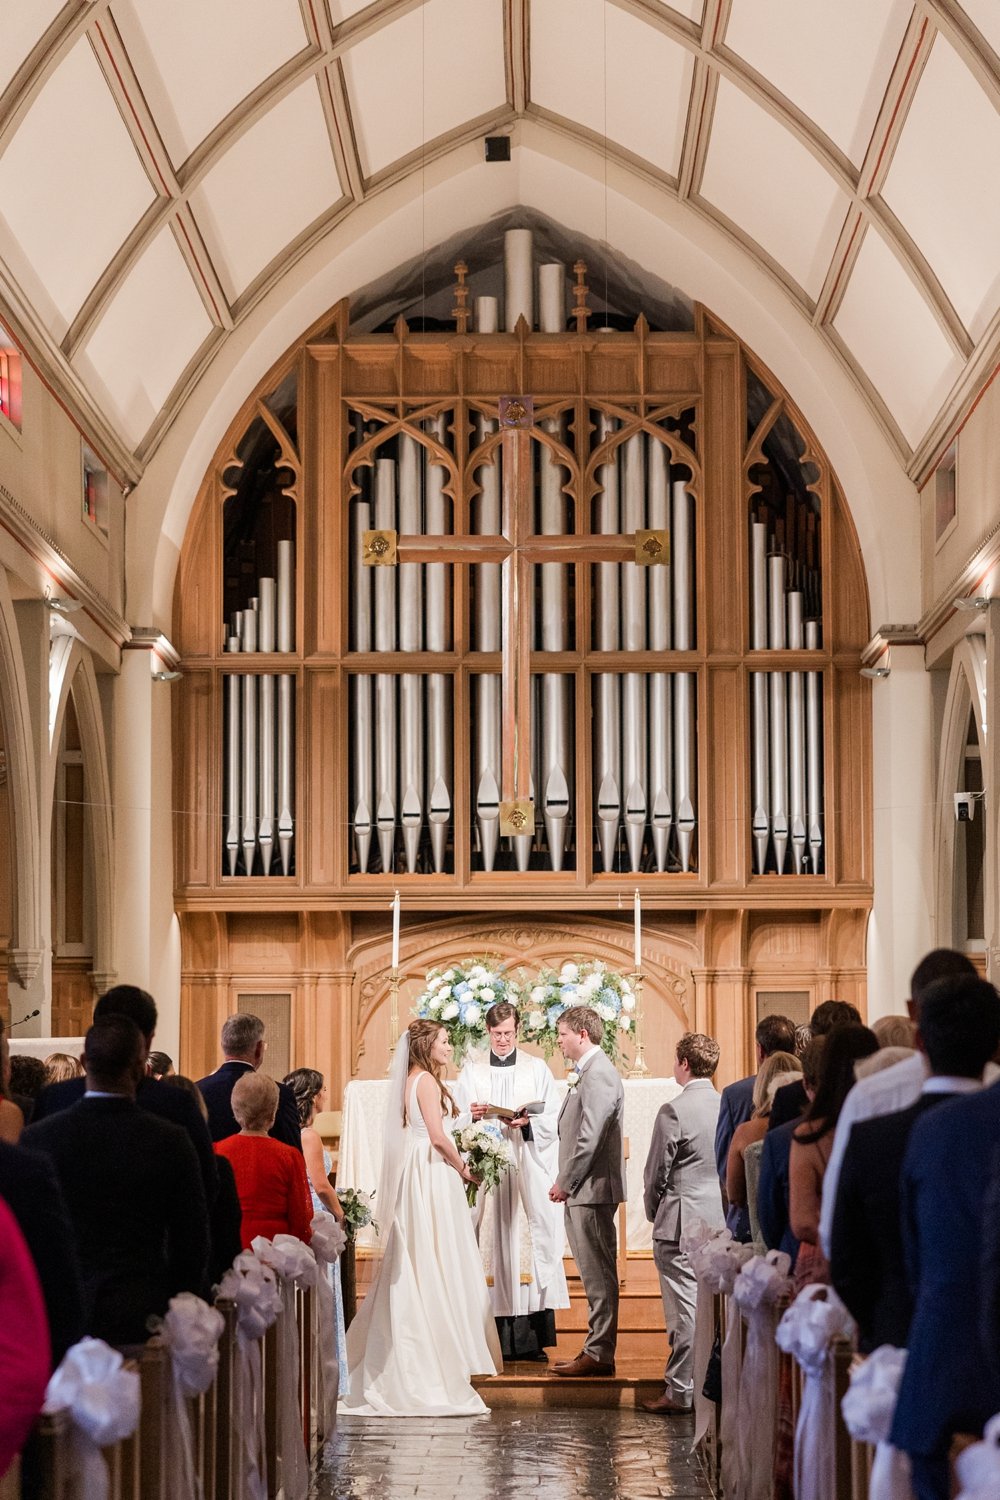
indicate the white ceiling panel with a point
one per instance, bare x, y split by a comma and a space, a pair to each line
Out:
152, 327
426, 73
22, 26
895, 338
985, 15
942, 184
628, 80
71, 184
761, 177
832, 60
196, 62
342, 10
284, 161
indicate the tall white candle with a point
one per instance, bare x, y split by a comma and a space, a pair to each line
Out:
395, 931
638, 932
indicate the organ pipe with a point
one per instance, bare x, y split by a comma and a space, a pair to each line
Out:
796, 739
634, 728
761, 759
660, 637
684, 682
487, 685
386, 743
361, 687
411, 707
814, 754
438, 779
607, 685
779, 713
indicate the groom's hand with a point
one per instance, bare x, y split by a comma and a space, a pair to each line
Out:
556, 1194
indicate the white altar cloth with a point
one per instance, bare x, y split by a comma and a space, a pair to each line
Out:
361, 1143
42, 1046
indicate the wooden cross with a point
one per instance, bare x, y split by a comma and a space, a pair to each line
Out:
518, 549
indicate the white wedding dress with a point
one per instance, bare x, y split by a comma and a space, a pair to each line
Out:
426, 1327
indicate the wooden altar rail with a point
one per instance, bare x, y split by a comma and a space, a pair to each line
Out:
138, 1466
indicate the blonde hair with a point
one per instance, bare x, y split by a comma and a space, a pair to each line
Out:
423, 1034
895, 1031
255, 1101
780, 1065
60, 1067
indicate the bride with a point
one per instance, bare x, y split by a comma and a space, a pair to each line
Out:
426, 1326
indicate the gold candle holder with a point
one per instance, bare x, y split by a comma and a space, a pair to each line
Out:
393, 1014
638, 1068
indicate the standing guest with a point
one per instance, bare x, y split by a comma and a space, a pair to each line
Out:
950, 1381
893, 1088
803, 1036
895, 1031
519, 1212
790, 1102
243, 1048
11, 1117
30, 1188
959, 1032
773, 1186
168, 1104
24, 1341
812, 1141
773, 1034
133, 1189
27, 1079
224, 1215
591, 1183
776, 1071
270, 1176
160, 1065
59, 1067
681, 1185
309, 1088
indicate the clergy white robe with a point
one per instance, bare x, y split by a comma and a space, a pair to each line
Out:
521, 1234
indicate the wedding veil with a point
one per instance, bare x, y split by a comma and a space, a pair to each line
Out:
393, 1141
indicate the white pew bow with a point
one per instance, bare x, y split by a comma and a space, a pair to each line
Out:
102, 1399
761, 1283
295, 1265
328, 1238
808, 1331
868, 1407
329, 1242
253, 1286
979, 1466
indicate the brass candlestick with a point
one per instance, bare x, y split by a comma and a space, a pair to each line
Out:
393, 1013
638, 1068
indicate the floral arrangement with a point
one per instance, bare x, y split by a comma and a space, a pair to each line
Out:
488, 1156
579, 983
459, 998
358, 1212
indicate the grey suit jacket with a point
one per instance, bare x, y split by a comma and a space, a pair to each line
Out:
681, 1180
591, 1144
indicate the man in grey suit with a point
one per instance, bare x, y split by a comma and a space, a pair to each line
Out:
682, 1184
591, 1182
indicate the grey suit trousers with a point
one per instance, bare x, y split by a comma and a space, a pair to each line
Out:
593, 1239
679, 1290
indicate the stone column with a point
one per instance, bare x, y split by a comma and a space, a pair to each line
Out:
30, 980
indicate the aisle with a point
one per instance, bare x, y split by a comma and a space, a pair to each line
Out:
514, 1455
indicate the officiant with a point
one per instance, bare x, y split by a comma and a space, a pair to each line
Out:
520, 1231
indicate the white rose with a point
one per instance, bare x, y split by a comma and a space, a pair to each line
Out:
626, 987
590, 985
477, 972
599, 967
450, 975
487, 996
444, 992
625, 1023
606, 1012
538, 994
433, 1005
536, 1019
572, 1079
472, 1014
434, 981
450, 1011
628, 1002
569, 972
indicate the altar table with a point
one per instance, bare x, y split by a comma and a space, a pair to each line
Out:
361, 1143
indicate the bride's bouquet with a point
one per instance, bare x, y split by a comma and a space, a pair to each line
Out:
488, 1157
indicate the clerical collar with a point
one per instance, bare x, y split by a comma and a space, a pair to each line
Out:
509, 1061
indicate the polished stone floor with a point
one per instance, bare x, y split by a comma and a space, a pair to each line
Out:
527, 1454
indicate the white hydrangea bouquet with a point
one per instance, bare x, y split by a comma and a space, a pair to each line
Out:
488, 1156
579, 983
460, 996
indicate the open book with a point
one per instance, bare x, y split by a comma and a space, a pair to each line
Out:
500, 1112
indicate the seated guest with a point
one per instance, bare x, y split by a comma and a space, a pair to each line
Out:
959, 1033
773, 1186
895, 1088
950, 1382
243, 1048
270, 1177
773, 1034
133, 1189
777, 1070
24, 1341
170, 1104
11, 1117
27, 1079
160, 1065
790, 1102
811, 1142
59, 1067
30, 1188
224, 1215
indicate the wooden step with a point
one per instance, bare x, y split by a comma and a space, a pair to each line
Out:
532, 1385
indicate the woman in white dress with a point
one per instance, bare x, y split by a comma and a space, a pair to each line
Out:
426, 1327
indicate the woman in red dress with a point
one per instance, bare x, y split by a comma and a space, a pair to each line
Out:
270, 1176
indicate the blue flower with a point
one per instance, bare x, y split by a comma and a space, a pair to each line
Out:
462, 989
568, 993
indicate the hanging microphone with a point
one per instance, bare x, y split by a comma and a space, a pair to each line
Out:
29, 1017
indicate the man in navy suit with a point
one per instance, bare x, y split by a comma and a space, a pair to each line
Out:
950, 1383
158, 1098
29, 1187
774, 1034
243, 1049
959, 1031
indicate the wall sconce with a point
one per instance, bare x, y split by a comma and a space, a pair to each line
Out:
62, 606
975, 605
166, 676
875, 672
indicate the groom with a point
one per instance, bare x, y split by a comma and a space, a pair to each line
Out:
591, 1182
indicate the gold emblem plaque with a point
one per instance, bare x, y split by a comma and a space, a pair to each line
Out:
517, 818
378, 549
652, 547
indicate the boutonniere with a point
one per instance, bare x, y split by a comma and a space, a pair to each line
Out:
572, 1079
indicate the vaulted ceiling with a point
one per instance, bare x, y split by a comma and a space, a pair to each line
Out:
163, 163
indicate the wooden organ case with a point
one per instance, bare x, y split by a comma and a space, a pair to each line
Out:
601, 574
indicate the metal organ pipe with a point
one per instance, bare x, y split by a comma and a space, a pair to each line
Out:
265, 641
796, 739
249, 836
682, 539
361, 686
555, 748
411, 707
779, 712
518, 278
487, 685
285, 640
761, 793
385, 686
634, 757
660, 636
814, 754
232, 762
438, 779
607, 685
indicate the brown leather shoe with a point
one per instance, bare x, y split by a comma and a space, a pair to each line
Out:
664, 1407
582, 1365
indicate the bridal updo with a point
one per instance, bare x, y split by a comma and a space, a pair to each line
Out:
423, 1034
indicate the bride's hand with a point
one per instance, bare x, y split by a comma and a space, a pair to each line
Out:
470, 1177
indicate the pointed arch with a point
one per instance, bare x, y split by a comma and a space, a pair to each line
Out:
26, 924
966, 694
